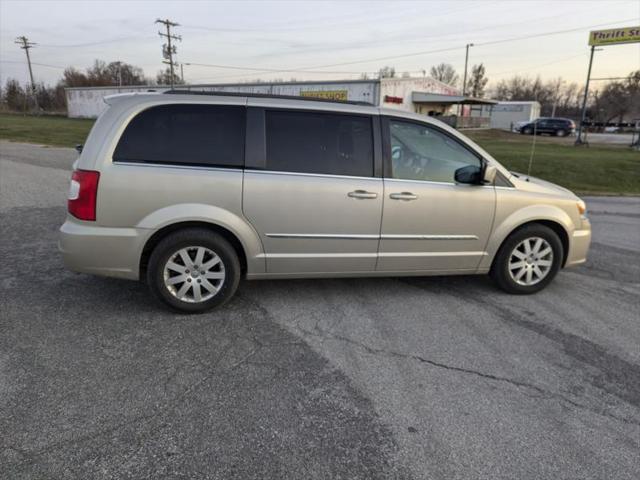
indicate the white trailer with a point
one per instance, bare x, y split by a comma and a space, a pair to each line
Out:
506, 115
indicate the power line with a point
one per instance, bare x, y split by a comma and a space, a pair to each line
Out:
563, 59
169, 50
608, 78
91, 44
429, 52
25, 45
546, 34
35, 63
235, 67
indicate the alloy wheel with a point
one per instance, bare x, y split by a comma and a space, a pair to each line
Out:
194, 274
530, 261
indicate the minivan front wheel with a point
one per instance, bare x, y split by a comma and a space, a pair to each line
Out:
193, 270
528, 260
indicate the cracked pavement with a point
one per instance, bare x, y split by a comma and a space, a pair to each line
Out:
347, 378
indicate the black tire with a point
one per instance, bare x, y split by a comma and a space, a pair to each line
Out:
561, 133
500, 267
527, 131
193, 237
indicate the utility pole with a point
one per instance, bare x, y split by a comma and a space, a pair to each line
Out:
579, 140
182, 72
25, 44
169, 50
466, 62
119, 65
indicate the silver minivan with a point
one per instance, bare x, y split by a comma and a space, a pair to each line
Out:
192, 192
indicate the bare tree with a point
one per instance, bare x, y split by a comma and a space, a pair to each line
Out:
103, 74
478, 81
445, 73
619, 98
164, 78
14, 95
387, 72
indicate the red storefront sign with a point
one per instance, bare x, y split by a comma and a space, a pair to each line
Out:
390, 99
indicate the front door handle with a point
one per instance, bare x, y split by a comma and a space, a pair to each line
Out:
403, 196
362, 194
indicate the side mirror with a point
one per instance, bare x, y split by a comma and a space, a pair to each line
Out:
489, 174
471, 174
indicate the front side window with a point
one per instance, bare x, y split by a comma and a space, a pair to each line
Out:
419, 152
211, 135
323, 143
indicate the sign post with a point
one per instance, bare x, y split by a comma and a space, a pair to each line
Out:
613, 36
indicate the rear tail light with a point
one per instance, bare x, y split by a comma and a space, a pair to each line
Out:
82, 194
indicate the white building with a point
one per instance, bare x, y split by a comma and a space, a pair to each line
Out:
420, 95
506, 115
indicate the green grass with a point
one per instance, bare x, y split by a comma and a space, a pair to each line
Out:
599, 169
595, 170
45, 129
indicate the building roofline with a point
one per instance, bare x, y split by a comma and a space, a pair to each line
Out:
266, 95
408, 79
516, 102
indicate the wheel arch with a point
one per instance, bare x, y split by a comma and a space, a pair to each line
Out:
232, 226
554, 225
157, 236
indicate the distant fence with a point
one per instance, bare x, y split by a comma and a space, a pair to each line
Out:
628, 127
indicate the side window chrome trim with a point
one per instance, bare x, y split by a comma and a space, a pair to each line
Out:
409, 180
431, 182
301, 174
178, 166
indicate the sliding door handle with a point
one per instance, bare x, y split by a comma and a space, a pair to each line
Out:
403, 196
362, 194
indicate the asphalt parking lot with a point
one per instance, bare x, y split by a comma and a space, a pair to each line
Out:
351, 378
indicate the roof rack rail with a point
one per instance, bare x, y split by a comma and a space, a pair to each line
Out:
266, 95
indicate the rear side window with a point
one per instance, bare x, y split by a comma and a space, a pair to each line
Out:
209, 135
324, 143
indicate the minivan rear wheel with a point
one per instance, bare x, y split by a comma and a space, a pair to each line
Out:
528, 260
561, 133
193, 270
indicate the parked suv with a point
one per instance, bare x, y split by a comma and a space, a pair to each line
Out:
559, 127
194, 192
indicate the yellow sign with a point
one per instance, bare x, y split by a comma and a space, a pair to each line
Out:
326, 94
614, 36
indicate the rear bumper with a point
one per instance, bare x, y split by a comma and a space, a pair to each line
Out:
579, 245
112, 252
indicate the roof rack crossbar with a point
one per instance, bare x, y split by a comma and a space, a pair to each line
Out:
266, 95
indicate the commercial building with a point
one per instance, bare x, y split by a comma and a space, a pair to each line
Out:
420, 95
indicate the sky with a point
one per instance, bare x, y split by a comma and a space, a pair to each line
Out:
319, 40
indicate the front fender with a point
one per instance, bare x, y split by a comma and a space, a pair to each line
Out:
507, 222
195, 212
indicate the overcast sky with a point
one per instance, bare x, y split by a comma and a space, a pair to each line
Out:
341, 38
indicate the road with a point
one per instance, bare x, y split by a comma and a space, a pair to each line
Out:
352, 378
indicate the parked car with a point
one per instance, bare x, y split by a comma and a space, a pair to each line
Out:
559, 127
194, 192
